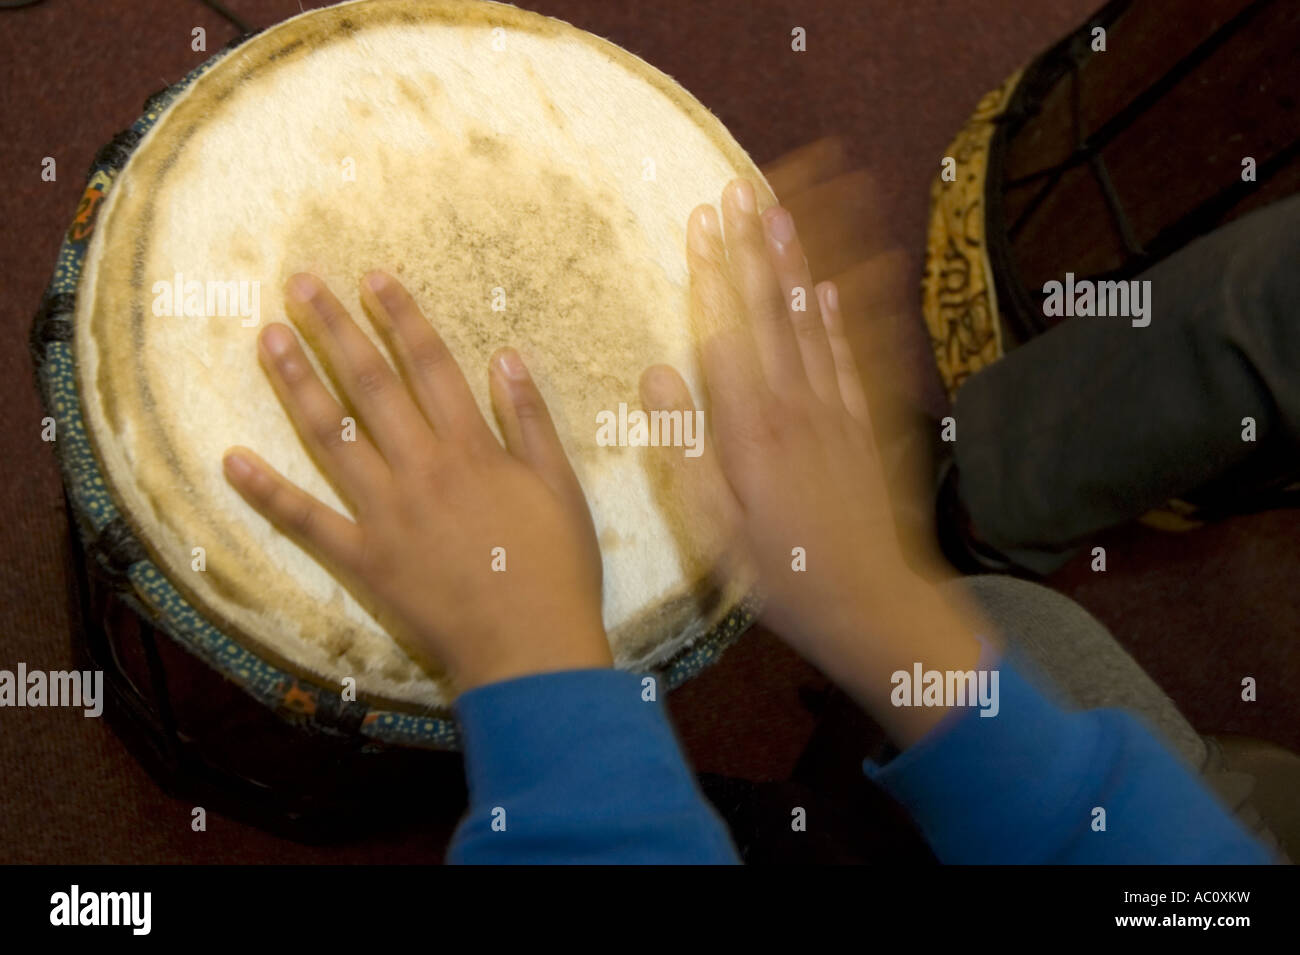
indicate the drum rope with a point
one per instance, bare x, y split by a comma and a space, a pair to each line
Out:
1088, 150
1144, 100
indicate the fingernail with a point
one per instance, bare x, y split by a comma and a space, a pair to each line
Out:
742, 194
707, 227
780, 224
376, 282
832, 296
237, 467
303, 287
277, 340
511, 365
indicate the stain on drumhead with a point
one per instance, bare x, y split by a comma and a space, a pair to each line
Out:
502, 249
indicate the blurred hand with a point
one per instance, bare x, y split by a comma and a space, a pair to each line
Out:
791, 487
847, 239
433, 493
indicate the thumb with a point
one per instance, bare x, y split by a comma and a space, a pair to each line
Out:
688, 481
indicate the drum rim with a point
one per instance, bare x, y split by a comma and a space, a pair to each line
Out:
280, 685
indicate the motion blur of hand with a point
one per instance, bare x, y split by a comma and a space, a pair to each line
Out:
794, 466
433, 492
790, 488
847, 237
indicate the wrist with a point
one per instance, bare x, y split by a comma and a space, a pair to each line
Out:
583, 649
894, 630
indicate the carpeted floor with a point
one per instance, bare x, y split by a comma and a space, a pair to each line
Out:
894, 79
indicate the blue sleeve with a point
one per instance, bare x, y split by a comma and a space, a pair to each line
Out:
1023, 787
575, 767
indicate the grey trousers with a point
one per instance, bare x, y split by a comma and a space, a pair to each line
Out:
1096, 422
1081, 665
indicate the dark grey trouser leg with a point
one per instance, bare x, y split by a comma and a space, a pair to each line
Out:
1096, 422
1080, 665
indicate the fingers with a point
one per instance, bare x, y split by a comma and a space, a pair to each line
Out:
313, 526
876, 306
760, 292
355, 466
391, 417
795, 279
698, 490
846, 370
435, 379
733, 372
527, 427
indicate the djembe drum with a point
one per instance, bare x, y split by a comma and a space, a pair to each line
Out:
1103, 163
530, 183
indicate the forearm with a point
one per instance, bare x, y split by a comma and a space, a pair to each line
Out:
1038, 784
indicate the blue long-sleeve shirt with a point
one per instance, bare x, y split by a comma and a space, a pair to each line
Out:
576, 767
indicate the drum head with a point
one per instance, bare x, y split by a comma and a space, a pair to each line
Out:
527, 181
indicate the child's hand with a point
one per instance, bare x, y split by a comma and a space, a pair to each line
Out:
433, 492
796, 470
